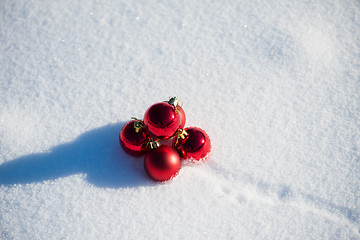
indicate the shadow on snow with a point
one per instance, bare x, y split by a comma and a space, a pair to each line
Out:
96, 153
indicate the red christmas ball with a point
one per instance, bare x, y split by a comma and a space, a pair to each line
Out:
162, 120
193, 144
182, 116
134, 137
162, 163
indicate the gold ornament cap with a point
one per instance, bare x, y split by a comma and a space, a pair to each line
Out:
152, 144
180, 133
174, 101
138, 124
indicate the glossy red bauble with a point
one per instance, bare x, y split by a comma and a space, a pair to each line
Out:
162, 120
182, 116
162, 163
195, 146
133, 140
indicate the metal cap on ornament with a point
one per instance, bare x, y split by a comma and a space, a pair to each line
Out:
138, 125
174, 101
152, 144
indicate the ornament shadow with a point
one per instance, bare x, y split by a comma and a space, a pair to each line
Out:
95, 153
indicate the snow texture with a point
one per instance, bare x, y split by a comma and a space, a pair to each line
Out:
275, 84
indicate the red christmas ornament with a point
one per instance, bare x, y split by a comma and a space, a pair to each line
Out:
133, 138
182, 116
162, 163
192, 143
163, 119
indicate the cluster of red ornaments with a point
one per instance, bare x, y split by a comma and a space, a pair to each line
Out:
164, 120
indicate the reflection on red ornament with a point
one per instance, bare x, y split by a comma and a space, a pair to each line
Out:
163, 119
182, 116
195, 145
134, 137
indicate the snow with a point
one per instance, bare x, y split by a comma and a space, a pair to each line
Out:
275, 84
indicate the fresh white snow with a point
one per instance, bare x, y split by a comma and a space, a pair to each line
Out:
275, 84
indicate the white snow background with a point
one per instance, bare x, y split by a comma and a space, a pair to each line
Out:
275, 84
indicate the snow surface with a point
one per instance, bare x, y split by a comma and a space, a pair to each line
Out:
275, 84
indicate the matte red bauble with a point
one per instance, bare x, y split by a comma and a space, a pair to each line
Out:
134, 137
162, 163
162, 120
194, 143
